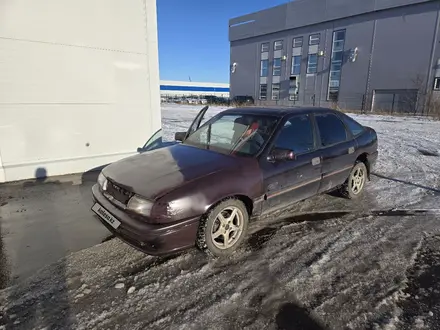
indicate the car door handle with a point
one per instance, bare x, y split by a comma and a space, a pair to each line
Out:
350, 150
316, 161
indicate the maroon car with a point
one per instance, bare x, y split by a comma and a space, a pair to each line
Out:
240, 164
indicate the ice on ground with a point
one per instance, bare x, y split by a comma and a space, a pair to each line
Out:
323, 271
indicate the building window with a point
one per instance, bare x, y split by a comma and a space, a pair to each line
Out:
278, 45
297, 42
437, 84
334, 78
263, 92
276, 67
314, 39
312, 63
264, 68
275, 91
296, 65
265, 47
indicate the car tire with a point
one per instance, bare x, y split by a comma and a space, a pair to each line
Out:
355, 184
228, 219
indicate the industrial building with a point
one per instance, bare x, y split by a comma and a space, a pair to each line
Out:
355, 54
79, 84
190, 88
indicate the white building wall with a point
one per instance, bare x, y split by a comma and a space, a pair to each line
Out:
79, 84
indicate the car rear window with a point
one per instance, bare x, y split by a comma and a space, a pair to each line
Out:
296, 135
331, 129
353, 125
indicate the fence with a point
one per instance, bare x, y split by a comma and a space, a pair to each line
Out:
395, 102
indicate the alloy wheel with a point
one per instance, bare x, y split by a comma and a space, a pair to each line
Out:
357, 181
227, 227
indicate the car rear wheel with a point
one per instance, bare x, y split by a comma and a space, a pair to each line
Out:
355, 183
223, 228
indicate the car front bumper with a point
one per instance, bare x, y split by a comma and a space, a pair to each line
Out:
153, 239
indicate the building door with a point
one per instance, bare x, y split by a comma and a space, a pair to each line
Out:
395, 100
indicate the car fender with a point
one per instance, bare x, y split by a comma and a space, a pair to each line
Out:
195, 198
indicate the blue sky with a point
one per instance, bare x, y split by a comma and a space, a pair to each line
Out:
193, 36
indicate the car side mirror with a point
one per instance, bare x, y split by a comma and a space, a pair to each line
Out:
278, 155
179, 136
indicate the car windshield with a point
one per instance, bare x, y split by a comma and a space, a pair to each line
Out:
238, 134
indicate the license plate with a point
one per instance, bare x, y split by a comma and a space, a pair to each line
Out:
105, 215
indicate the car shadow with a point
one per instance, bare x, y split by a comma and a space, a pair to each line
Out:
434, 190
335, 193
259, 238
91, 176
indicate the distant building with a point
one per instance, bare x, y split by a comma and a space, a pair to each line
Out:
358, 54
186, 88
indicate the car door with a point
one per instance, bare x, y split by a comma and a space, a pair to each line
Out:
182, 136
289, 181
196, 122
155, 142
338, 150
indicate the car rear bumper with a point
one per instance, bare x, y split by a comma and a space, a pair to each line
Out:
157, 240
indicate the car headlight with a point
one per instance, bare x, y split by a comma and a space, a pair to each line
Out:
102, 181
140, 206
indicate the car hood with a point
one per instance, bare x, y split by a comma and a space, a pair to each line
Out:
155, 173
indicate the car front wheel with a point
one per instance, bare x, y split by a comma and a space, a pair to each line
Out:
355, 183
223, 228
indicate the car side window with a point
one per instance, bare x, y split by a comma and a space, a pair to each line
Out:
353, 125
331, 129
296, 135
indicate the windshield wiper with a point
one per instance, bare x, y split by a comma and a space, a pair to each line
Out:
241, 141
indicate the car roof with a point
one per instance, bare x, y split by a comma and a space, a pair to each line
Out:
276, 111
